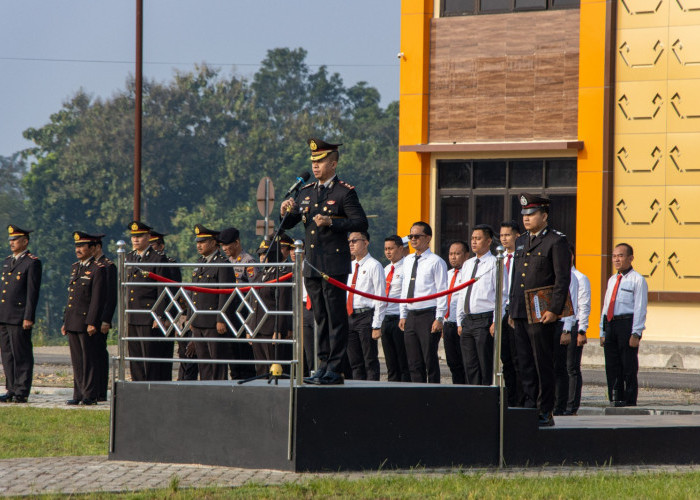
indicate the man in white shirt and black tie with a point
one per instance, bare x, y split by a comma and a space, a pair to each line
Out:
424, 274
392, 335
476, 309
622, 322
509, 233
459, 250
365, 315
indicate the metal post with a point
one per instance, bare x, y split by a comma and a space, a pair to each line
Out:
138, 99
267, 207
497, 365
121, 302
299, 310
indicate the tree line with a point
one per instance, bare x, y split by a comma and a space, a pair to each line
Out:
208, 139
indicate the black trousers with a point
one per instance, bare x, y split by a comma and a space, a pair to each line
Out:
210, 350
534, 344
362, 348
17, 358
239, 350
102, 364
264, 352
308, 323
509, 359
85, 357
573, 371
561, 378
621, 361
332, 319
145, 370
422, 346
453, 352
186, 371
477, 349
394, 350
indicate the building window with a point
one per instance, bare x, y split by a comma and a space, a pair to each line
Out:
471, 192
450, 8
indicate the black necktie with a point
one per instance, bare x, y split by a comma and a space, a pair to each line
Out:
412, 283
469, 290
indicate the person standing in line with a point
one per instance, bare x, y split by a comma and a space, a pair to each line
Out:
622, 322
561, 346
582, 306
477, 304
509, 233
450, 331
87, 293
107, 315
392, 336
20, 284
425, 274
541, 259
365, 315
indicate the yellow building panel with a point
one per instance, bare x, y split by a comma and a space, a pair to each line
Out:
413, 208
588, 219
590, 265
681, 265
683, 106
649, 259
642, 54
638, 211
640, 159
682, 212
415, 46
681, 317
683, 52
642, 13
591, 113
591, 68
413, 119
640, 107
684, 12
682, 164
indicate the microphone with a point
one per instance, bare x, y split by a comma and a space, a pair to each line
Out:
301, 180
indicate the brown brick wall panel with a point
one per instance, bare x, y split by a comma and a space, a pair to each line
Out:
504, 77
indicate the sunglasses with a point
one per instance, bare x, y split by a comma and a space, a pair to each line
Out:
356, 240
415, 236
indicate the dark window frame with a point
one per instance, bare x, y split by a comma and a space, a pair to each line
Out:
477, 10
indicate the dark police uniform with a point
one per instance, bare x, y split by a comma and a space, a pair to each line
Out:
542, 261
143, 297
20, 283
172, 273
204, 325
107, 315
87, 292
327, 249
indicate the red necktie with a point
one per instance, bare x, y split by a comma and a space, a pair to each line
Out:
389, 277
611, 307
510, 256
308, 302
351, 296
449, 297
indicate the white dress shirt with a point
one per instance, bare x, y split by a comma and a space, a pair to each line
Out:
370, 279
570, 321
431, 277
392, 308
507, 276
583, 301
454, 300
483, 296
631, 299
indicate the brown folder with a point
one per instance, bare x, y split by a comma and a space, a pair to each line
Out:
537, 301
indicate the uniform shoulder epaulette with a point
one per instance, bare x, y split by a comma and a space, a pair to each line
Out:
171, 260
343, 183
559, 233
308, 185
32, 256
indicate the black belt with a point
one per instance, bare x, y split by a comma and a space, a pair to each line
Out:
480, 315
623, 316
362, 310
451, 323
422, 311
391, 317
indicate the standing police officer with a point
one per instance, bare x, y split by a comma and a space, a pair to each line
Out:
107, 315
329, 209
541, 259
21, 279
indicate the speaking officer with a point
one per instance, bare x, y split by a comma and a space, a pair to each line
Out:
450, 334
107, 315
509, 233
143, 297
541, 259
424, 274
210, 325
20, 283
329, 209
621, 325
82, 319
475, 313
392, 336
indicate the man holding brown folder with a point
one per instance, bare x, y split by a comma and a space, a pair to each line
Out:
541, 259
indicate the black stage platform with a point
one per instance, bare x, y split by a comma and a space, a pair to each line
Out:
372, 425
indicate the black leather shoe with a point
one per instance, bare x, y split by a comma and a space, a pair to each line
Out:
332, 378
559, 413
316, 379
6, 398
89, 402
73, 402
618, 404
569, 413
545, 420
19, 399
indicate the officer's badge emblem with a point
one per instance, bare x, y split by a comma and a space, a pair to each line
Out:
134, 227
76, 236
523, 200
196, 230
313, 146
330, 202
10, 230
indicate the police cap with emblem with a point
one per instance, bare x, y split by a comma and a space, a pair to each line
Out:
229, 235
202, 233
531, 203
15, 232
286, 241
156, 236
83, 238
137, 228
320, 148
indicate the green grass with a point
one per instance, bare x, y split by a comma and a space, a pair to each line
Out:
48, 432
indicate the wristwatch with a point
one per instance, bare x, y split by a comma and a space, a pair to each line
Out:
440, 319
582, 332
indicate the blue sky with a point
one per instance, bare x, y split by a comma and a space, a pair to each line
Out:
49, 49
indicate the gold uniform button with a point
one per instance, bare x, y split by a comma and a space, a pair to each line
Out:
528, 254
315, 204
522, 286
312, 246
313, 232
523, 275
132, 299
525, 264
